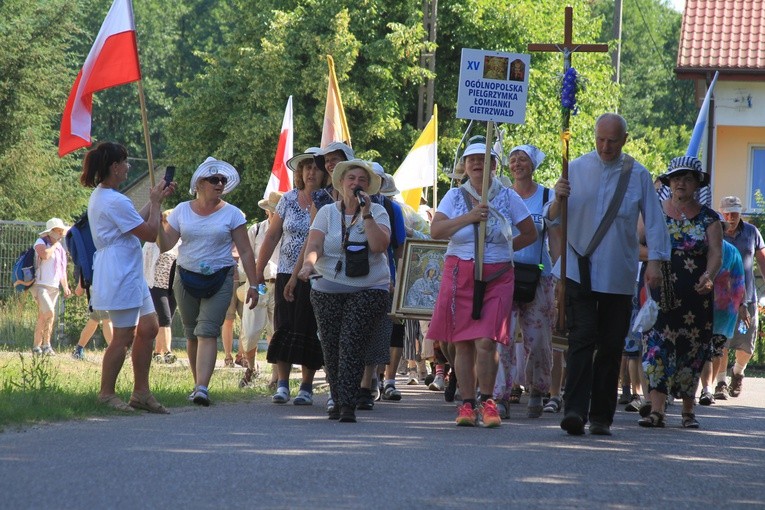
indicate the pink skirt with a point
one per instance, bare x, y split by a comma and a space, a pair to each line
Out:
452, 319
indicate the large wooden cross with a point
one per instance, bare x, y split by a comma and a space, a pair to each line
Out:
567, 48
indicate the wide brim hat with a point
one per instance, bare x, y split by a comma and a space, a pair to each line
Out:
309, 153
388, 186
478, 148
269, 204
333, 147
54, 223
731, 205
212, 166
375, 181
685, 164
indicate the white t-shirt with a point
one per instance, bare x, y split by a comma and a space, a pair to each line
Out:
206, 240
118, 281
530, 254
462, 242
329, 222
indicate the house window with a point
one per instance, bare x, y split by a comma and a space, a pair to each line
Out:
758, 178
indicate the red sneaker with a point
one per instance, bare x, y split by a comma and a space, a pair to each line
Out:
489, 415
465, 415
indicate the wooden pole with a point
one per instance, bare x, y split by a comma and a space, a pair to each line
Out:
485, 184
146, 138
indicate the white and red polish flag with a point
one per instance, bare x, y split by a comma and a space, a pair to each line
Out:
112, 61
281, 174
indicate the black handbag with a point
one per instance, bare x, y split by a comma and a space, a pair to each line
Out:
356, 259
203, 286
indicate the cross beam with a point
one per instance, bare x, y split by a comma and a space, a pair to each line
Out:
568, 47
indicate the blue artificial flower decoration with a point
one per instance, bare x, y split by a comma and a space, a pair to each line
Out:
568, 90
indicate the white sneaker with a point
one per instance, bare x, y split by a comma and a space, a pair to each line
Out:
413, 379
47, 350
437, 384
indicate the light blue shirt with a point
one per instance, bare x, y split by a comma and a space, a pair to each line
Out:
614, 262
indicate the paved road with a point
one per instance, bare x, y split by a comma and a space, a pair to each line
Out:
401, 455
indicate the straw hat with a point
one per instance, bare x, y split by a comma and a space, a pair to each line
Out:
212, 166
309, 153
374, 180
269, 204
54, 223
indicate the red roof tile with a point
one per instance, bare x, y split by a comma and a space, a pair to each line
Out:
724, 35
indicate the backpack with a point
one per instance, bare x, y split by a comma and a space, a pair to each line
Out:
24, 270
79, 241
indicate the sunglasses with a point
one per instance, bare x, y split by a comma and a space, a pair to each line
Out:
215, 180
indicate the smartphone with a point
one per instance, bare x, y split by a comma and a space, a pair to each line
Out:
169, 175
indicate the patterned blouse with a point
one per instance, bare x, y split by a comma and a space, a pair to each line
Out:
295, 224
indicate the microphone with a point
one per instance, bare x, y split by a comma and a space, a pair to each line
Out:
362, 200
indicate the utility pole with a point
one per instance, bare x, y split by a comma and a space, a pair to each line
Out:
427, 61
616, 56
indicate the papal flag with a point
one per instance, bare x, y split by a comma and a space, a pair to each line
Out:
419, 169
335, 127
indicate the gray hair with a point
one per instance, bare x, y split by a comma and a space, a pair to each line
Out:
613, 116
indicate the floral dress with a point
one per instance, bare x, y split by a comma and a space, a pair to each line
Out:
679, 343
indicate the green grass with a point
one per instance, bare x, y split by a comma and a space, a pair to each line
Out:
36, 390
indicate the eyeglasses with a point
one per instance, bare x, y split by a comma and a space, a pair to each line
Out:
215, 180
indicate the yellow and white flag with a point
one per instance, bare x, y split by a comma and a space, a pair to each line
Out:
335, 128
420, 167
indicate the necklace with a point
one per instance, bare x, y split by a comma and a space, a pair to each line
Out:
306, 199
679, 211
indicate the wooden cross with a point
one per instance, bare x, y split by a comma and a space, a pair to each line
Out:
567, 48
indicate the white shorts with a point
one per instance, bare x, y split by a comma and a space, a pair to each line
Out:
128, 318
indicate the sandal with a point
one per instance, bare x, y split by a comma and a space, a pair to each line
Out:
228, 362
116, 403
249, 375
552, 405
690, 421
147, 402
515, 395
653, 420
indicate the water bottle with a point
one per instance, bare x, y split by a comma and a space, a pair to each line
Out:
742, 327
262, 289
204, 268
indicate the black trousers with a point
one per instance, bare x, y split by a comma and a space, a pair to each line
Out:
598, 323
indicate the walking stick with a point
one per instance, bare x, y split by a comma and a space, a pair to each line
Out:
479, 285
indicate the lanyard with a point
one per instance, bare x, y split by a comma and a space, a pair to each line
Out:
346, 231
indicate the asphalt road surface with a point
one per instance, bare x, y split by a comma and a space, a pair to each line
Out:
403, 455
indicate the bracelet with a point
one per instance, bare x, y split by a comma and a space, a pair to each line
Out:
254, 287
367, 216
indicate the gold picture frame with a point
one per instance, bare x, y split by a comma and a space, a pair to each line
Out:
418, 279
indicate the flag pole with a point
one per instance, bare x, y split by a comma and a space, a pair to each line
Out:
146, 138
435, 160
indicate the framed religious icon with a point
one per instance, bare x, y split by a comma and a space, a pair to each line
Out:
418, 279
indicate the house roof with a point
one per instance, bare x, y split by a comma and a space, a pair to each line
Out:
724, 35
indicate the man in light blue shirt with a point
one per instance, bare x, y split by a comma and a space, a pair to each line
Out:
598, 317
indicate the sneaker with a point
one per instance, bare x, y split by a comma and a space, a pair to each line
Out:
170, 358
391, 393
413, 380
429, 379
365, 401
450, 393
347, 415
634, 405
489, 416
48, 351
158, 358
721, 391
625, 398
331, 408
736, 382
465, 416
706, 398
282, 395
36, 351
437, 384
201, 398
304, 398
79, 352
534, 411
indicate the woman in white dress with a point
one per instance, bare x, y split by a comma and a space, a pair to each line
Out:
118, 282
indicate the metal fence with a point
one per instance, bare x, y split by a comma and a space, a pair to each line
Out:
16, 237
